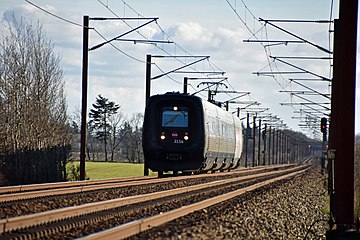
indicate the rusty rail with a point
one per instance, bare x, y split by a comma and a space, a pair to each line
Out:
135, 227
11, 224
36, 190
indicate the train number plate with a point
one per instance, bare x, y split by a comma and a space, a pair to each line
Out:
178, 141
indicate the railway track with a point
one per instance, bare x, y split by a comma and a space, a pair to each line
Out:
153, 208
61, 185
45, 203
17, 193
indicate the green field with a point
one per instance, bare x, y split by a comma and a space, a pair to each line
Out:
102, 170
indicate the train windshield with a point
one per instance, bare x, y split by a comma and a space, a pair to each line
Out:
175, 117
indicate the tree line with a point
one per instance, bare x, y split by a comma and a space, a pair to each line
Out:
110, 135
37, 137
33, 117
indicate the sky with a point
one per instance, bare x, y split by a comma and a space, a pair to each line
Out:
218, 29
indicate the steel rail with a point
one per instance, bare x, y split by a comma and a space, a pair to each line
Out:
14, 223
67, 189
43, 186
137, 226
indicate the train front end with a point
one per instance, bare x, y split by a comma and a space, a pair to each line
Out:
173, 133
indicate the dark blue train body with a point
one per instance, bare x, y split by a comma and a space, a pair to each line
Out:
186, 133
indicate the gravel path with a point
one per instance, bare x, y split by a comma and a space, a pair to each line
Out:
292, 209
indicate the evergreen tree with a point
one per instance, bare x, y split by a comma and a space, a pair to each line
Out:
102, 110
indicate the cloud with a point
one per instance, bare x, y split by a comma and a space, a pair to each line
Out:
122, 79
198, 38
196, 35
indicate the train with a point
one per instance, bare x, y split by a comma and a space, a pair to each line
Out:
185, 133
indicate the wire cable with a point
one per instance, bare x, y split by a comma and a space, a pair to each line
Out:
329, 29
254, 35
79, 25
267, 48
186, 53
118, 49
52, 14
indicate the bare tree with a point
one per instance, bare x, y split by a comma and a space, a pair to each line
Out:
93, 148
132, 137
116, 122
136, 123
33, 122
32, 99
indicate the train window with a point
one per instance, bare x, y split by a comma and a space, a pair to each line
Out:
172, 117
213, 130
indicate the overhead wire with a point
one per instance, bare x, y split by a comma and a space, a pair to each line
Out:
254, 35
113, 45
95, 30
267, 48
52, 14
121, 51
329, 46
330, 31
162, 49
164, 34
115, 14
161, 29
80, 25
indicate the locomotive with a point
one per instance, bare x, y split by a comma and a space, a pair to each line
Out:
186, 133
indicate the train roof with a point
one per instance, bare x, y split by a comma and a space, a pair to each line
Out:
174, 95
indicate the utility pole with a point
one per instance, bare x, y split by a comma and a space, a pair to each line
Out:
185, 85
85, 61
342, 124
264, 139
254, 141
323, 129
147, 96
259, 144
282, 144
273, 146
247, 138
269, 147
287, 148
147, 78
277, 147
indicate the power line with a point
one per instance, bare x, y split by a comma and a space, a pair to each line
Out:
211, 65
52, 14
80, 25
267, 48
165, 34
330, 31
118, 49
121, 35
254, 35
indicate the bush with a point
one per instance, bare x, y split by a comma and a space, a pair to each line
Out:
35, 166
73, 172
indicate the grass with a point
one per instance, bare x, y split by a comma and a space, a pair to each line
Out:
103, 170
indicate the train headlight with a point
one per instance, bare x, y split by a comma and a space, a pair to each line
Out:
186, 137
175, 108
162, 136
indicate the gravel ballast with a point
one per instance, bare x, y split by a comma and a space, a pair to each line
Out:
24, 207
292, 209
